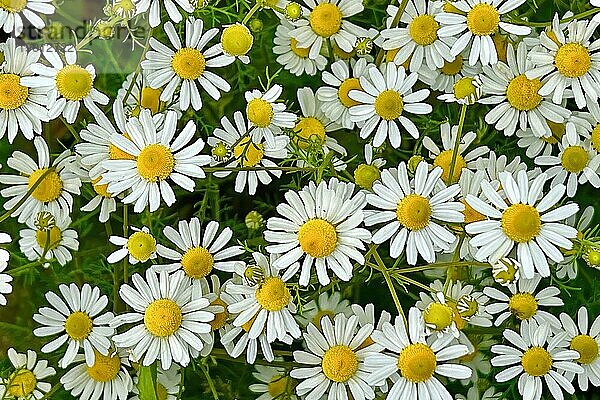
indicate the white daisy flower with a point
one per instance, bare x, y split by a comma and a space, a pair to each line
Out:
246, 152
494, 164
21, 108
328, 21
325, 306
384, 96
368, 172
568, 61
249, 345
539, 358
160, 154
321, 227
267, 306
443, 157
411, 211
445, 78
41, 241
586, 341
153, 6
140, 246
517, 101
275, 383
168, 319
466, 90
526, 220
168, 384
335, 100
418, 41
292, 57
78, 319
103, 199
5, 280
576, 163
439, 316
265, 115
568, 268
12, 13
474, 394
524, 303
53, 192
536, 145
186, 66
199, 252
106, 378
475, 23
26, 382
66, 85
236, 42
416, 363
335, 360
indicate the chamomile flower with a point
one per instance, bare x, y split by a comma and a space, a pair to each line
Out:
160, 154
517, 101
199, 250
293, 58
328, 21
246, 152
168, 319
536, 357
265, 115
524, 303
154, 9
187, 66
439, 316
52, 193
27, 381
540, 145
48, 241
106, 378
335, 100
5, 280
267, 306
474, 23
505, 271
21, 108
140, 246
584, 339
335, 360
466, 90
411, 211
325, 305
103, 199
78, 319
138, 95
568, 61
236, 42
413, 360
385, 96
321, 227
168, 384
12, 13
66, 85
576, 163
368, 172
275, 383
527, 220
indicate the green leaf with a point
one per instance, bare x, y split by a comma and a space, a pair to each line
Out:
147, 382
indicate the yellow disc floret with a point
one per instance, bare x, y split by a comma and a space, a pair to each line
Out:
115, 153
78, 325
573, 60
260, 112
536, 361
12, 93
150, 99
423, 29
414, 212
325, 19
471, 215
574, 159
309, 130
521, 222
273, 294
587, 347
340, 363
444, 160
345, 88
49, 189
197, 262
522, 93
74, 82
279, 386
22, 383
248, 153
389, 105
452, 68
163, 317
141, 245
596, 137
483, 19
101, 189
417, 363
220, 318
317, 237
299, 51
438, 315
523, 305
236, 40
365, 175
464, 88
188, 63
105, 368
49, 239
155, 162
13, 6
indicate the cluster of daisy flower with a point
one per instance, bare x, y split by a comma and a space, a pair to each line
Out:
369, 176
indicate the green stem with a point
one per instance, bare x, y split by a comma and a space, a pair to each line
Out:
51, 392
442, 265
17, 271
388, 280
253, 10
237, 169
394, 24
29, 192
211, 384
413, 282
461, 123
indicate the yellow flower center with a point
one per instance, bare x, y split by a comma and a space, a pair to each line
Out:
444, 160
22, 383
417, 363
105, 368
220, 318
483, 19
124, 6
248, 153
471, 215
439, 315
452, 68
155, 162
260, 112
573, 60
309, 130
506, 275
592, 257
197, 262
74, 82
340, 363
115, 153
279, 386
587, 347
101, 190
163, 317
150, 99
536, 361
13, 6
236, 40
389, 105
521, 222
345, 88
12, 93
456, 316
51, 241
365, 175
188, 63
414, 212
317, 237
273, 294
78, 325
299, 51
522, 93
464, 88
501, 45
48, 189
141, 245
325, 19
574, 159
423, 29
523, 305
467, 306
